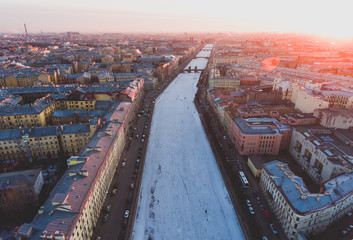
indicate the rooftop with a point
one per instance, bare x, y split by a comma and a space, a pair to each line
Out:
337, 151
18, 179
251, 128
296, 193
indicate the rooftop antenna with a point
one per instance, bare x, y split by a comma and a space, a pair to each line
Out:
26, 30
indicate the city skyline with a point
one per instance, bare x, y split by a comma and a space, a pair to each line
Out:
318, 18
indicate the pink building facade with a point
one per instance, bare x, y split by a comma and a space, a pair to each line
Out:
259, 136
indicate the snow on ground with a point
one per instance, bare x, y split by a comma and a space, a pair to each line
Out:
182, 194
201, 64
204, 54
208, 46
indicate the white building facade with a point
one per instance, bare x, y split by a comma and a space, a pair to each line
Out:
320, 153
300, 211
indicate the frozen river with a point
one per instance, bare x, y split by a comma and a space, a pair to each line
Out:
200, 63
182, 195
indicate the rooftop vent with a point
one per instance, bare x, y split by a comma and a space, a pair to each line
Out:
330, 154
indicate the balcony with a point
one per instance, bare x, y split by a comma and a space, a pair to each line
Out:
305, 158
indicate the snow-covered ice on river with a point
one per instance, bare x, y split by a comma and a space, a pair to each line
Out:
182, 195
200, 63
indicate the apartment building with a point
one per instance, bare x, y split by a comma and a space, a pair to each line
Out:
60, 117
28, 115
320, 99
73, 208
44, 142
321, 152
300, 211
259, 136
19, 189
335, 118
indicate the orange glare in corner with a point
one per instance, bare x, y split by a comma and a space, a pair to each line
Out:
269, 64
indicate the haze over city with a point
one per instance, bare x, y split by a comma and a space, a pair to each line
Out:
312, 17
160, 119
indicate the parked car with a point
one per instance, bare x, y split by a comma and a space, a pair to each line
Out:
108, 208
126, 214
132, 186
252, 212
273, 228
105, 218
115, 190
123, 164
344, 233
248, 202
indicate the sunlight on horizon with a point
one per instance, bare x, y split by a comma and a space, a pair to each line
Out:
314, 17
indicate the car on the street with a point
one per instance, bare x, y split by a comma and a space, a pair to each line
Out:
137, 136
126, 214
251, 210
98, 238
108, 208
137, 160
105, 218
273, 228
264, 238
142, 140
344, 233
132, 186
115, 190
224, 137
248, 202
134, 176
123, 164
348, 229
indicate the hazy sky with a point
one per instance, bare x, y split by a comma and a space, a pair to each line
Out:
330, 18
